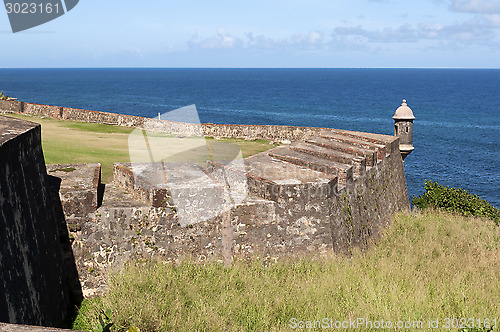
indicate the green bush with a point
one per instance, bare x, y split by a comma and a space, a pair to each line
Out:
455, 200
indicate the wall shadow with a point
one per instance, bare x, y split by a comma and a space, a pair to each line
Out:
71, 272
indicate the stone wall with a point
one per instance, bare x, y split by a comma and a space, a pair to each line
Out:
366, 205
250, 132
302, 213
33, 278
11, 106
337, 204
268, 132
289, 220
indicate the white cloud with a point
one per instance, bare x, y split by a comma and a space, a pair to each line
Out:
224, 40
475, 31
263, 42
430, 30
221, 40
311, 40
492, 20
481, 29
404, 33
476, 6
470, 32
348, 43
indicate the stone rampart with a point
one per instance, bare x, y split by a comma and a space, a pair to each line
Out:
33, 278
327, 190
250, 132
366, 205
9, 106
302, 198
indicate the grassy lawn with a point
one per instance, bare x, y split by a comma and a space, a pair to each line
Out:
75, 142
426, 267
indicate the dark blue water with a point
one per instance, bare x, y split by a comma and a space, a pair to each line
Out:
456, 131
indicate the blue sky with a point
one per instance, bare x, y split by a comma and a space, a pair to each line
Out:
271, 33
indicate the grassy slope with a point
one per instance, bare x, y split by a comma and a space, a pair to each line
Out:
75, 142
428, 266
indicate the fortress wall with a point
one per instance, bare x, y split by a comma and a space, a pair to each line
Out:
79, 115
291, 221
33, 286
327, 217
344, 214
9, 106
366, 205
146, 192
42, 110
250, 132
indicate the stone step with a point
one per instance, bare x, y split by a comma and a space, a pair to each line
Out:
78, 186
369, 137
368, 154
274, 179
317, 163
342, 138
114, 196
185, 186
387, 140
359, 163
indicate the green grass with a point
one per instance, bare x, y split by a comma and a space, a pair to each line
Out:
425, 267
67, 142
96, 127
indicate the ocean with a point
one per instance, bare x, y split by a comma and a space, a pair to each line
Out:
456, 130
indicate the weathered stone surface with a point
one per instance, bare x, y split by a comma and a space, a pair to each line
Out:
33, 281
368, 154
368, 203
78, 187
42, 110
358, 163
327, 190
9, 106
29, 328
342, 171
118, 234
296, 204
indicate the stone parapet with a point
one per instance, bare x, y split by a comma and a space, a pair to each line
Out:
34, 278
78, 187
268, 132
11, 106
327, 190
